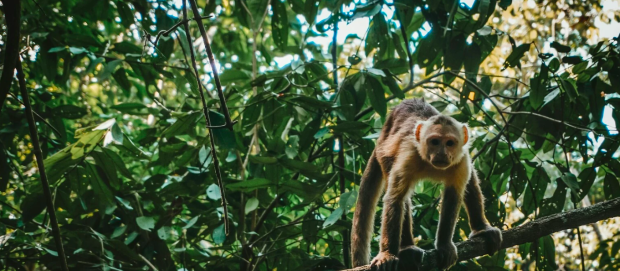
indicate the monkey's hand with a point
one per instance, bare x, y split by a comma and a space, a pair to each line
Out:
492, 237
384, 261
447, 255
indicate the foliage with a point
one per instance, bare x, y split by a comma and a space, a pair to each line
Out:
128, 153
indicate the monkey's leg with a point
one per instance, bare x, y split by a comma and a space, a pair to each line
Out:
371, 187
450, 207
474, 203
394, 203
407, 233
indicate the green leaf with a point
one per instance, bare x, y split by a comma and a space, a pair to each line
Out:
554, 65
504, 4
555, 203
31, 206
354, 60
146, 223
251, 205
213, 192
393, 86
518, 180
333, 218
376, 95
612, 187
538, 93
572, 60
303, 190
439, 105
104, 196
586, 179
348, 199
182, 124
191, 222
311, 8
126, 47
568, 87
129, 107
292, 147
580, 67
120, 76
249, 185
559, 47
535, 191
311, 103
279, 24
108, 167
263, 159
514, 58
234, 76
219, 235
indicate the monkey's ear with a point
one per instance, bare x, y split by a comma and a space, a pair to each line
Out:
465, 134
418, 130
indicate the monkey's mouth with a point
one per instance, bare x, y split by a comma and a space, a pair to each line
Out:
440, 163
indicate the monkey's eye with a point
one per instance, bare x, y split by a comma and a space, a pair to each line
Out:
450, 143
435, 142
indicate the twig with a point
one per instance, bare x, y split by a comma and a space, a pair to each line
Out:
38, 116
205, 110
403, 32
165, 33
148, 263
216, 77
553, 120
39, 158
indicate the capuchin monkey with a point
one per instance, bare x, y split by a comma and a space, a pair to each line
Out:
418, 143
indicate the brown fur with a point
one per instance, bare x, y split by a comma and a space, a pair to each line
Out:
402, 158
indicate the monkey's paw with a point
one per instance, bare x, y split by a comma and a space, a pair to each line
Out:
492, 237
447, 256
384, 261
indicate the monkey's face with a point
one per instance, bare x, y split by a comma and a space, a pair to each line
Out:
441, 145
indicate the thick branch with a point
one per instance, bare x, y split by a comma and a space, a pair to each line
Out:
528, 232
12, 15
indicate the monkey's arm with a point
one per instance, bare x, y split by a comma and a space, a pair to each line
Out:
474, 203
391, 223
450, 207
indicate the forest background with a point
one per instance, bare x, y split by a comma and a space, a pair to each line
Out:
300, 91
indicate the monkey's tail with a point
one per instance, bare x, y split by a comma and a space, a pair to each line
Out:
371, 186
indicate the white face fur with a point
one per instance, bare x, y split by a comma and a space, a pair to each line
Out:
441, 141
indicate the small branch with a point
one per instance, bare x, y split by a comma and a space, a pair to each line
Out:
403, 32
552, 119
205, 110
165, 33
39, 158
12, 13
216, 77
529, 232
39, 117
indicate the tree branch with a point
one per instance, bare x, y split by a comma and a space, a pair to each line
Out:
205, 109
12, 13
528, 232
49, 202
